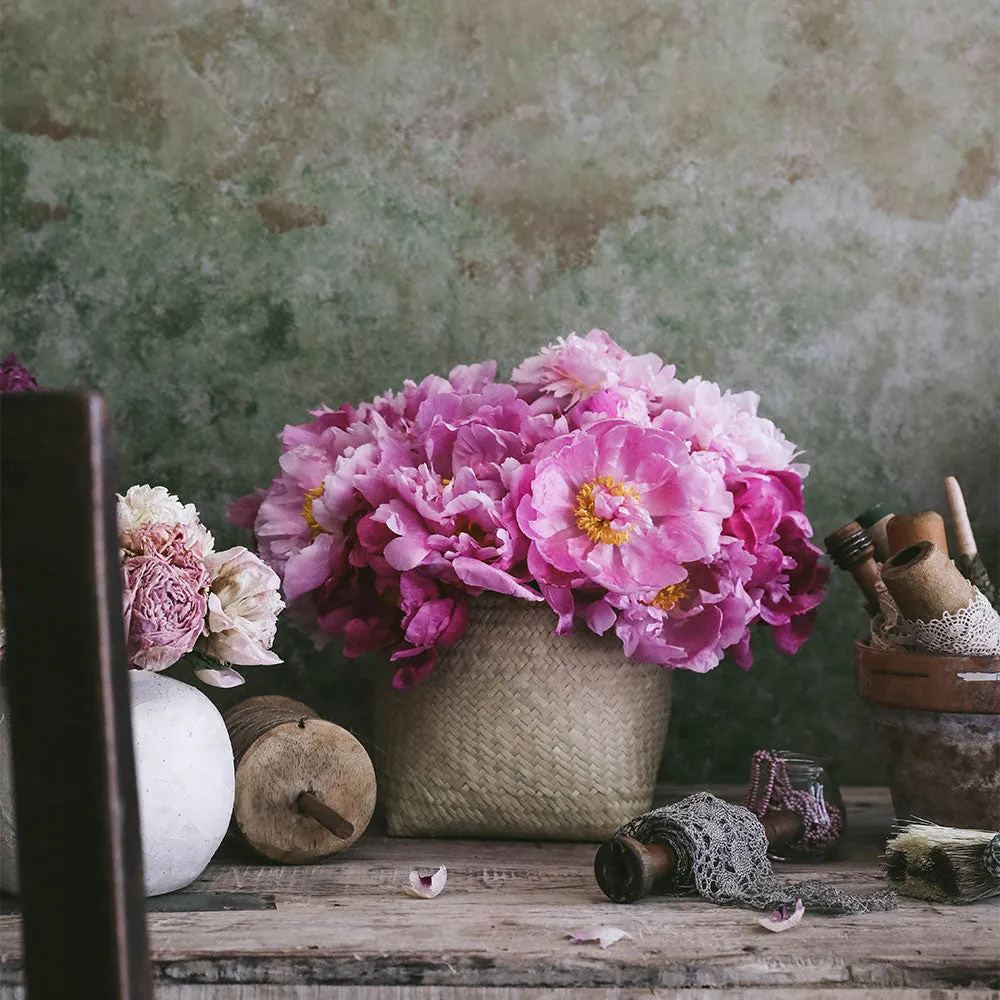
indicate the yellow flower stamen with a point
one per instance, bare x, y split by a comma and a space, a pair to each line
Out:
307, 510
669, 596
467, 526
597, 528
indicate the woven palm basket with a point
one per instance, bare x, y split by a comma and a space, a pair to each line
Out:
519, 733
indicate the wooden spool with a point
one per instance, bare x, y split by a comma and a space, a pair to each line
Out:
627, 869
904, 530
305, 788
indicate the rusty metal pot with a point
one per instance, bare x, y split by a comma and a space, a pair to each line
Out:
938, 720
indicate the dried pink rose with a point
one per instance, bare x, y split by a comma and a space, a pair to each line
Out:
143, 506
164, 611
180, 544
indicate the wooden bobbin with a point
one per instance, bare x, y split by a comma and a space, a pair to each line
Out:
925, 583
874, 521
627, 869
904, 530
851, 549
305, 788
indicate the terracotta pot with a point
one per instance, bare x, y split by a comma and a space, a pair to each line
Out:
938, 720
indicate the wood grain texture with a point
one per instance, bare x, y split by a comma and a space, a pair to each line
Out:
344, 930
170, 991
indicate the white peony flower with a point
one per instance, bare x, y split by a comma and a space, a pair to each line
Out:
243, 607
144, 505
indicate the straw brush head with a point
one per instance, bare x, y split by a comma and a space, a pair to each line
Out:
944, 864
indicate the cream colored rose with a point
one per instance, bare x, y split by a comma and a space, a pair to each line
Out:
243, 607
145, 505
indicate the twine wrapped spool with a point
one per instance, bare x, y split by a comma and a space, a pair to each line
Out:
305, 788
925, 584
904, 530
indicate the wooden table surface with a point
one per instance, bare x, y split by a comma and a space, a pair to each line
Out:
345, 930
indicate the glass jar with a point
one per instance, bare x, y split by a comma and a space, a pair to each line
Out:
806, 785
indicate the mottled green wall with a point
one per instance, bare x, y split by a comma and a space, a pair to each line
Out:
221, 213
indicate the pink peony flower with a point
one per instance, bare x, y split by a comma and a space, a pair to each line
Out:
692, 623
623, 507
164, 611
14, 377
243, 608
597, 482
711, 420
575, 368
788, 578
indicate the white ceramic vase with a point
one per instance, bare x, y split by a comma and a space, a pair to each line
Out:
185, 777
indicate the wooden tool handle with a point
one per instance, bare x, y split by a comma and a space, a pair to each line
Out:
626, 869
960, 518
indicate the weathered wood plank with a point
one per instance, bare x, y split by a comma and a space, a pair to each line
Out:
264, 992
502, 925
677, 944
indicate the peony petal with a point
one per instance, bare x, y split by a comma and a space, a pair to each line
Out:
307, 569
600, 616
407, 552
479, 574
604, 936
780, 920
426, 886
220, 678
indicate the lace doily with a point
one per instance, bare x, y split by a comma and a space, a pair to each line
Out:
722, 855
972, 631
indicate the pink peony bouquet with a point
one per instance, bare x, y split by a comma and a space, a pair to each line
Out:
181, 597
597, 482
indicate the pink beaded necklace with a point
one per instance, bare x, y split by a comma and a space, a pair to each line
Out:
822, 822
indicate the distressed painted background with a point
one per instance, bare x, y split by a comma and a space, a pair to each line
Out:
223, 212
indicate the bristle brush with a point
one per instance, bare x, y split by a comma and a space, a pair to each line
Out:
942, 863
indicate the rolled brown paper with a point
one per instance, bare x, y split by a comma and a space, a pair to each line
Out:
904, 530
305, 787
627, 869
925, 583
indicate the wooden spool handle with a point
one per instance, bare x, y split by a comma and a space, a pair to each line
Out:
626, 869
960, 518
852, 549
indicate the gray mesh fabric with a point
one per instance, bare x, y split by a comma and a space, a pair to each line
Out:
722, 855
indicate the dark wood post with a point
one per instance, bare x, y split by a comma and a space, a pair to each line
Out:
80, 862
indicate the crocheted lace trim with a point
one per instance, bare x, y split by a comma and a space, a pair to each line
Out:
722, 855
971, 631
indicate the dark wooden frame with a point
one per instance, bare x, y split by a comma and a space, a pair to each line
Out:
80, 861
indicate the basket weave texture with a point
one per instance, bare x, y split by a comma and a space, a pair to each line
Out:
521, 733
